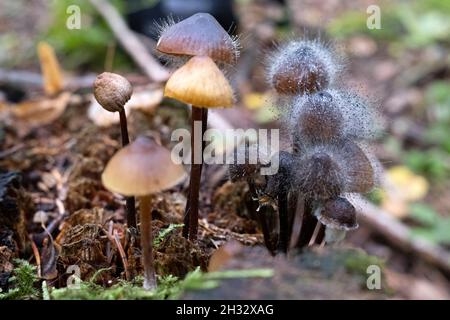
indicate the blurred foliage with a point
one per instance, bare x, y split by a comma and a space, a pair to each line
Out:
434, 227
413, 24
375, 196
432, 163
86, 47
437, 100
169, 287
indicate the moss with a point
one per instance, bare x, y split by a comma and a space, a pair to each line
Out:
22, 282
169, 287
357, 262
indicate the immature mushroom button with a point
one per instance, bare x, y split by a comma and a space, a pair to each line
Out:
112, 91
338, 214
199, 35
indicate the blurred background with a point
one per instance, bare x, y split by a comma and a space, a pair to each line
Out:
403, 68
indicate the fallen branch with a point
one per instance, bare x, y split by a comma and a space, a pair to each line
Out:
400, 235
130, 42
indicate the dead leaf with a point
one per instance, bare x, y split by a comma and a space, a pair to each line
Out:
51, 71
402, 187
224, 254
145, 99
42, 111
255, 100
49, 258
101, 117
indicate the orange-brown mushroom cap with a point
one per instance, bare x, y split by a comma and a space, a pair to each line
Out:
142, 168
199, 35
200, 83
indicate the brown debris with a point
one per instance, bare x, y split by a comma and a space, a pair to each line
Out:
230, 208
15, 206
177, 256
84, 245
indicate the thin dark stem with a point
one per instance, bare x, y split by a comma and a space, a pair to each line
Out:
191, 213
145, 214
130, 201
308, 225
264, 217
321, 235
315, 234
283, 239
298, 220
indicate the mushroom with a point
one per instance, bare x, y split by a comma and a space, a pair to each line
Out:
112, 91
318, 120
301, 67
200, 83
338, 216
142, 169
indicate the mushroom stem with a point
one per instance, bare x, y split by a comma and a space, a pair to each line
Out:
309, 223
316, 234
191, 213
283, 239
264, 216
298, 220
130, 201
145, 214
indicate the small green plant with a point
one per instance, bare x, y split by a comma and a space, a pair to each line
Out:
169, 287
434, 227
22, 282
163, 233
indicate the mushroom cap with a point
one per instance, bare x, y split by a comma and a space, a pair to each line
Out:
302, 67
200, 83
142, 168
318, 175
112, 91
319, 118
338, 214
199, 35
359, 172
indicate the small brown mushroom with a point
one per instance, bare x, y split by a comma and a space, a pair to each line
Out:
142, 169
199, 83
112, 91
199, 35
338, 216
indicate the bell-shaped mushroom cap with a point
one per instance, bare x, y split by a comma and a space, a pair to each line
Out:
199, 35
141, 168
358, 169
318, 176
318, 118
200, 83
112, 91
338, 214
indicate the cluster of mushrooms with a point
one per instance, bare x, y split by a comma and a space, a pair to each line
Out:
328, 160
325, 163
202, 47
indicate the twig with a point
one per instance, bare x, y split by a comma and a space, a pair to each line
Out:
29, 79
130, 41
122, 255
400, 235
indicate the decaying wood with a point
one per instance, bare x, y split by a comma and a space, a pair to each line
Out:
130, 42
400, 235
